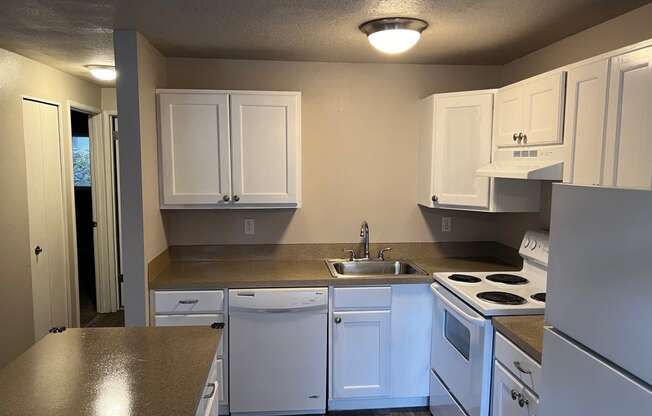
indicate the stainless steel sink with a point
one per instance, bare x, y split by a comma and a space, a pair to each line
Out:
373, 268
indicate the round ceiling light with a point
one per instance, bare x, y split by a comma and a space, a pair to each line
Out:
393, 34
102, 72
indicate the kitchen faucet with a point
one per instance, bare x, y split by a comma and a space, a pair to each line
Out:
364, 234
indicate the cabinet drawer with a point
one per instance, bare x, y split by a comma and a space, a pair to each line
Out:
189, 301
362, 297
518, 363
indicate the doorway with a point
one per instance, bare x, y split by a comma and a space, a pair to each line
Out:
96, 218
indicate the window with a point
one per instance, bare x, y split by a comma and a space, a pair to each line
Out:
81, 160
458, 335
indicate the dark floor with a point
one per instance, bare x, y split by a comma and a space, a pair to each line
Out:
106, 320
407, 411
87, 311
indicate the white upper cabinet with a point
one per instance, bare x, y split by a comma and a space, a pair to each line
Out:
265, 145
531, 112
628, 150
462, 145
194, 136
229, 149
584, 128
455, 141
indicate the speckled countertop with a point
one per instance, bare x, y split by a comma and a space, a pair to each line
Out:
111, 371
283, 273
526, 332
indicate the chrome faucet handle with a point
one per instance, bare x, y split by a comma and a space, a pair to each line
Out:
351, 254
381, 252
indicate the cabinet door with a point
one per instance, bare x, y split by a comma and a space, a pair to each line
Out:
361, 354
509, 397
543, 109
265, 142
194, 132
509, 115
628, 154
585, 119
463, 144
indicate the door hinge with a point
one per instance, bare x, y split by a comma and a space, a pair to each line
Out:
114, 134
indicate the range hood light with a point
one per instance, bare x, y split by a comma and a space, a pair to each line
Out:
394, 34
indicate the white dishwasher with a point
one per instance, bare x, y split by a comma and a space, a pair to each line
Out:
278, 343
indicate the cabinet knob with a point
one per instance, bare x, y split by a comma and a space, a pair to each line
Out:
515, 394
338, 320
525, 138
523, 402
515, 137
435, 198
236, 198
226, 198
38, 250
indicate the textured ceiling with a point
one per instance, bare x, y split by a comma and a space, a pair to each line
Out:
69, 34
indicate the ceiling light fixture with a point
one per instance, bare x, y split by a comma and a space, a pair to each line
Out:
102, 72
393, 34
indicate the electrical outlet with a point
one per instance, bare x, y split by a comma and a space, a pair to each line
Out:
446, 224
250, 226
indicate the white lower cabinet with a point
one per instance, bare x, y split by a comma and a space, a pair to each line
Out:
379, 346
510, 396
199, 308
361, 354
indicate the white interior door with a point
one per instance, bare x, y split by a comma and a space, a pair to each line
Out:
361, 354
195, 154
628, 156
509, 115
463, 144
585, 120
46, 216
265, 139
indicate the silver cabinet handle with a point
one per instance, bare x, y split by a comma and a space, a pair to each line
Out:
236, 198
518, 366
515, 394
189, 301
226, 198
38, 250
213, 387
338, 320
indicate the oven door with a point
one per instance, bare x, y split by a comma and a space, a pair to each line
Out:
462, 342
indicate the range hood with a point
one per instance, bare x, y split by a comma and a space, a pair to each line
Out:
533, 164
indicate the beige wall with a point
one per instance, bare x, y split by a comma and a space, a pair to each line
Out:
22, 76
109, 99
360, 133
151, 75
623, 30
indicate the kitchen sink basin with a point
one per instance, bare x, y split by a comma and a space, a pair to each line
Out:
373, 268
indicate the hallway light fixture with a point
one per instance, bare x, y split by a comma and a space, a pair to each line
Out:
102, 72
393, 35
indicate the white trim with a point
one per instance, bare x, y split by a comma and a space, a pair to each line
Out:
461, 93
202, 91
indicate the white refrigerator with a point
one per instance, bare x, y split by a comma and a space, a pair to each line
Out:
597, 352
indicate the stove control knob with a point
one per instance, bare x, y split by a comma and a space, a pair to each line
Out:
533, 245
526, 242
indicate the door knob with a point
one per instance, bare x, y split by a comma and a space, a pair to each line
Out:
338, 320
236, 198
38, 250
226, 198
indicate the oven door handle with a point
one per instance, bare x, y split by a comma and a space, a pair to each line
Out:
478, 321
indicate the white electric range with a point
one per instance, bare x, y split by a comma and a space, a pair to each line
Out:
462, 331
